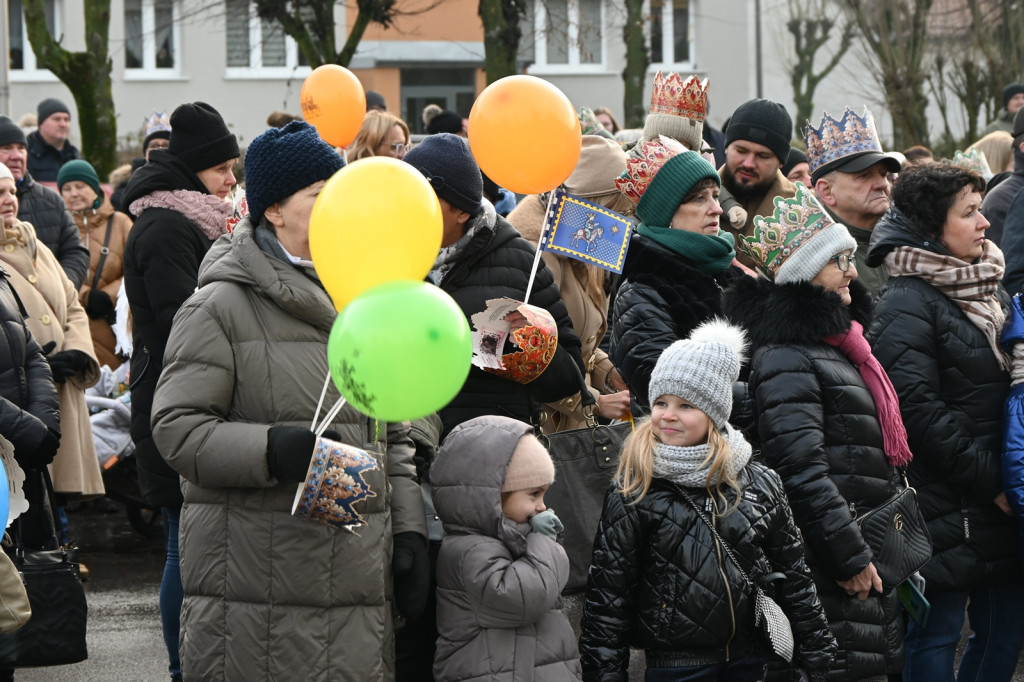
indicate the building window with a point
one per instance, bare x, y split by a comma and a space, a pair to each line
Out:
259, 46
567, 34
21, 58
670, 32
150, 41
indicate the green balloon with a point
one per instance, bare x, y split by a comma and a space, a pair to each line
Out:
400, 350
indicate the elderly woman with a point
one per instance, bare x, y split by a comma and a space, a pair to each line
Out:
678, 262
825, 426
104, 232
936, 331
291, 599
382, 134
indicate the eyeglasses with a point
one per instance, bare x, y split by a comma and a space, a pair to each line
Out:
844, 260
400, 147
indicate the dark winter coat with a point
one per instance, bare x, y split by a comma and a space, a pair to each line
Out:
1013, 244
662, 298
819, 430
656, 581
996, 205
1013, 439
952, 392
497, 264
161, 270
45, 210
45, 160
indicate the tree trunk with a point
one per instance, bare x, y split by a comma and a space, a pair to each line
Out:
502, 33
635, 72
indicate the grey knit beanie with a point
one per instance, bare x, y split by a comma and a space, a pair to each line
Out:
11, 133
806, 262
702, 369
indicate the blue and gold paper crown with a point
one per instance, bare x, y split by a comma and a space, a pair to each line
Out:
835, 139
157, 122
792, 224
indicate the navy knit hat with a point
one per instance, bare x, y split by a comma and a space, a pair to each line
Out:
200, 138
48, 107
445, 160
763, 122
83, 172
281, 161
1008, 92
11, 133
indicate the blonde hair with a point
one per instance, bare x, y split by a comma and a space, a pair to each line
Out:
998, 150
636, 465
376, 129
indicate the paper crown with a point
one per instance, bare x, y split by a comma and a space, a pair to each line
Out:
157, 122
590, 125
834, 140
677, 97
790, 226
644, 162
973, 159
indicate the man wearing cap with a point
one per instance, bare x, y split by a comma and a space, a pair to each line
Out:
756, 146
1013, 101
850, 175
43, 207
48, 147
997, 201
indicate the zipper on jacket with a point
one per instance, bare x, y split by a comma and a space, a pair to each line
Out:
721, 569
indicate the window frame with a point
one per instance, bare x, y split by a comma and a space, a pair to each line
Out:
574, 65
30, 70
291, 69
149, 71
668, 35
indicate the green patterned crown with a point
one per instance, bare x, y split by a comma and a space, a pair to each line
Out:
790, 226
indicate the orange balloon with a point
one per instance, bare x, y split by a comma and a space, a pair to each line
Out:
525, 134
333, 101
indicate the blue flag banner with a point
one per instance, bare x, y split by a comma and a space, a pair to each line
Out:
587, 232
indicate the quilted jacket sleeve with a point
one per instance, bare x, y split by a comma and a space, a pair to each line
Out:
609, 605
642, 329
25, 426
904, 337
71, 252
406, 500
791, 425
1013, 450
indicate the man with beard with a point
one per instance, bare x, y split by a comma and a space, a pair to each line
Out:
756, 146
850, 175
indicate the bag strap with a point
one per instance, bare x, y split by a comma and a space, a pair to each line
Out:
724, 545
103, 252
51, 502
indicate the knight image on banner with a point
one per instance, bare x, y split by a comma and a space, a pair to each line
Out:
588, 232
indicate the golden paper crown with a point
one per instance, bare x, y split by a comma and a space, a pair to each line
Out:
673, 96
973, 159
643, 163
791, 225
833, 140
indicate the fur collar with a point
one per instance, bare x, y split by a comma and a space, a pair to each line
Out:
208, 212
799, 312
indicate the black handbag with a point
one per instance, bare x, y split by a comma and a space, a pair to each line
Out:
585, 461
898, 536
55, 634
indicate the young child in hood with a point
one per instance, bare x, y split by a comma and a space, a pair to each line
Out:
500, 569
661, 579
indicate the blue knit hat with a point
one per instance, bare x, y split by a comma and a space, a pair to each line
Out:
445, 160
282, 161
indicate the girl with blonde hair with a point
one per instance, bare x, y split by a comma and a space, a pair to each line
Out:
661, 579
382, 134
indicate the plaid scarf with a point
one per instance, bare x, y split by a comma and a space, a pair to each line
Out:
972, 286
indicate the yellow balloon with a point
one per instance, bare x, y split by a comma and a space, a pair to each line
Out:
375, 221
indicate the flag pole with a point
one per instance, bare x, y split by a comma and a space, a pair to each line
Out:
543, 235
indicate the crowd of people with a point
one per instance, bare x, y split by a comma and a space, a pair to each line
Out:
801, 329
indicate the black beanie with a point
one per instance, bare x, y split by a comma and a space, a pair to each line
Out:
445, 122
48, 107
1008, 92
763, 122
200, 138
281, 161
445, 160
11, 133
796, 157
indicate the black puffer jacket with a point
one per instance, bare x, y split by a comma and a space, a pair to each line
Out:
54, 226
161, 270
45, 160
662, 298
656, 581
951, 392
496, 264
819, 430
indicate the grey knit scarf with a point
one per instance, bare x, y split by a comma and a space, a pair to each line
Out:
450, 254
683, 465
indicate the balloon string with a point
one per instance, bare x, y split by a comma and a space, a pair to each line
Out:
543, 236
320, 403
330, 417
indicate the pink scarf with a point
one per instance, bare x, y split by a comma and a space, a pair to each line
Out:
856, 349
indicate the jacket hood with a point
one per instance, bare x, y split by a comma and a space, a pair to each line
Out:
236, 257
163, 172
895, 229
468, 474
798, 312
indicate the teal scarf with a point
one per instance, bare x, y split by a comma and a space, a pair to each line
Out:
710, 254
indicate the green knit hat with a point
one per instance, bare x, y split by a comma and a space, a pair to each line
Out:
670, 183
83, 172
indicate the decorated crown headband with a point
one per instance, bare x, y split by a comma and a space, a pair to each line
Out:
674, 96
590, 125
156, 122
836, 139
644, 162
973, 159
791, 225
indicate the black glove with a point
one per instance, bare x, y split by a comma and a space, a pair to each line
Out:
411, 567
66, 364
289, 449
98, 305
38, 455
